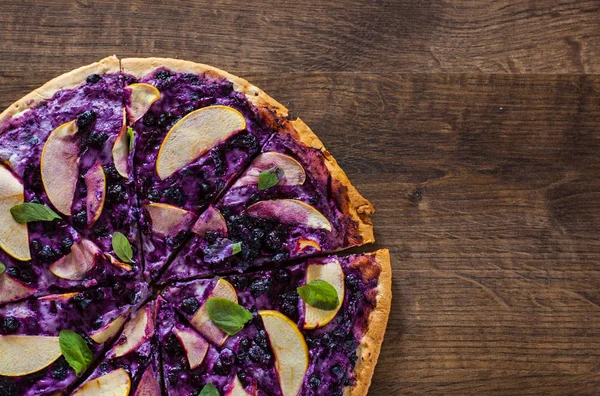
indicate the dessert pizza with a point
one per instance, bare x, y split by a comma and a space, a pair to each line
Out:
168, 230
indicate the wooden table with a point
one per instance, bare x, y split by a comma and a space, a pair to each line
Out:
472, 126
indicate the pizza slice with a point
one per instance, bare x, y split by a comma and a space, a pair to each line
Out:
196, 128
328, 340
132, 357
32, 360
293, 201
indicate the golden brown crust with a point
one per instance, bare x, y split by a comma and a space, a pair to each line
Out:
140, 67
370, 344
358, 207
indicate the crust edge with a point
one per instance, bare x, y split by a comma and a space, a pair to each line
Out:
370, 344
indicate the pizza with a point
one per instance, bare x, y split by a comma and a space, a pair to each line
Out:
167, 229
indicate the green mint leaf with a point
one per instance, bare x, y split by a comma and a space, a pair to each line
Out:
269, 178
75, 350
236, 248
28, 212
2, 268
131, 135
319, 294
122, 247
227, 315
209, 390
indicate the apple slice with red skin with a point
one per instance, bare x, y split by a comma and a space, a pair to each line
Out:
14, 238
201, 321
137, 331
75, 265
194, 345
120, 150
290, 211
141, 98
114, 383
293, 173
25, 354
109, 330
194, 135
169, 220
235, 388
303, 245
148, 385
210, 221
95, 183
12, 289
59, 166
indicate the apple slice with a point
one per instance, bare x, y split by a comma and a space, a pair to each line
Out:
109, 330
289, 348
290, 211
235, 388
14, 239
117, 263
13, 290
59, 297
141, 99
201, 322
210, 221
148, 385
293, 173
168, 220
95, 183
136, 332
305, 244
331, 273
120, 150
194, 135
75, 265
23, 354
194, 345
59, 166
114, 383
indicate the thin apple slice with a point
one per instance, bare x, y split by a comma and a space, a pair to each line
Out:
75, 265
292, 172
109, 330
141, 98
118, 263
120, 150
290, 211
201, 322
24, 354
305, 244
194, 345
235, 388
95, 183
194, 135
289, 348
13, 290
114, 383
331, 273
148, 385
169, 220
65, 297
14, 239
210, 221
59, 166
139, 330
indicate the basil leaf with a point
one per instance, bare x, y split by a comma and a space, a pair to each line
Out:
28, 212
122, 247
131, 135
269, 178
2, 268
236, 248
75, 350
227, 315
209, 390
319, 294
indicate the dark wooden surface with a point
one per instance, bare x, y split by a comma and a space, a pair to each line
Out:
473, 126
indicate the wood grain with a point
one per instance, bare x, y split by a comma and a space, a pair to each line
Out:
484, 176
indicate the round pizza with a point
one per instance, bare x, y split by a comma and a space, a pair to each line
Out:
167, 229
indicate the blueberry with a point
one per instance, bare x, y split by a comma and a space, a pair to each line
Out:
173, 347
7, 387
49, 228
279, 257
115, 193
211, 236
111, 173
118, 288
97, 323
81, 301
86, 119
80, 219
13, 271
220, 369
190, 78
93, 79
162, 75
59, 370
46, 254
190, 305
282, 276
27, 274
273, 242
289, 309
175, 195
244, 344
204, 191
260, 286
219, 161
101, 230
337, 372
261, 339
227, 357
150, 120
244, 141
243, 376
66, 244
328, 341
9, 325
173, 377
314, 382
166, 119
353, 283
256, 354
154, 195
131, 297
256, 237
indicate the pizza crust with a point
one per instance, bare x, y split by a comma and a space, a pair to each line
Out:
370, 344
